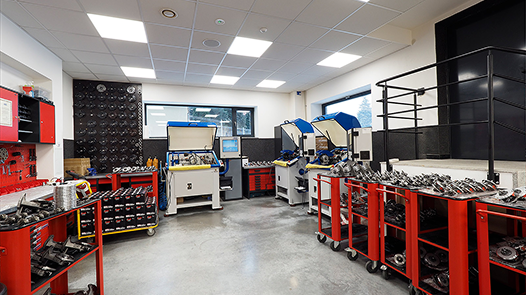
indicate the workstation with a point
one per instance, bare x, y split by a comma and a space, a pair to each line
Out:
375, 144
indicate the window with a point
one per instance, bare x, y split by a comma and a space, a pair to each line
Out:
230, 121
358, 105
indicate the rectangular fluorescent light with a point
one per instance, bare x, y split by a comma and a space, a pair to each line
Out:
338, 60
364, 0
227, 80
158, 114
138, 72
211, 116
204, 110
161, 122
155, 107
248, 47
270, 83
119, 28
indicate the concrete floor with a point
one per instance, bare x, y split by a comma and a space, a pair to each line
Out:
256, 246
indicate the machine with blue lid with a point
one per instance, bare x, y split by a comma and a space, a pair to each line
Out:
291, 181
192, 166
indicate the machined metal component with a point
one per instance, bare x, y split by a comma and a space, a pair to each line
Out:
399, 260
431, 259
442, 279
507, 253
442, 255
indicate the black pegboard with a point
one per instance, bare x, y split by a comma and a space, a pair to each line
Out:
108, 123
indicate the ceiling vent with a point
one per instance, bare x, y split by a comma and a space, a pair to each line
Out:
210, 43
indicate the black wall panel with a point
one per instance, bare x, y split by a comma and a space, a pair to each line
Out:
69, 148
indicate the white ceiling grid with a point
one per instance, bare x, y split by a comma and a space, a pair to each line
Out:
304, 32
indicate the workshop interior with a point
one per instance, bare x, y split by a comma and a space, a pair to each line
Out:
307, 146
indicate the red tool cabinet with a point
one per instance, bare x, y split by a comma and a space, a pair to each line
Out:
15, 257
47, 123
495, 274
258, 181
370, 246
9, 102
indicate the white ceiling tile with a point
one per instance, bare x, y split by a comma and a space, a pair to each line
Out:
285, 9
312, 56
237, 4
64, 54
206, 57
82, 76
201, 69
305, 78
44, 37
127, 48
117, 8
199, 37
384, 51
167, 35
18, 14
234, 72
252, 26
238, 61
74, 67
69, 21
367, 19
281, 76
81, 42
365, 46
295, 67
195, 78
245, 82
112, 78
268, 64
319, 70
282, 51
254, 74
335, 41
167, 65
133, 61
168, 52
301, 34
207, 15
151, 12
169, 76
105, 70
328, 13
64, 4
400, 5
95, 58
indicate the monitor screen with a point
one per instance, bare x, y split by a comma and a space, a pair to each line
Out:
230, 145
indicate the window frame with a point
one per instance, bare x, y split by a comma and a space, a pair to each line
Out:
233, 109
348, 97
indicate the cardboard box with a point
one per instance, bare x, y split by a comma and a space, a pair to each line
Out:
78, 165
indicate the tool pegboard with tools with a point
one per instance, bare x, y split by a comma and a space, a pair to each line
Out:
108, 123
18, 164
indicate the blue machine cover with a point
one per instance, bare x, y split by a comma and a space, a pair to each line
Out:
335, 126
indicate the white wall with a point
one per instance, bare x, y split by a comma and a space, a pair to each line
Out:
25, 53
271, 109
67, 112
421, 53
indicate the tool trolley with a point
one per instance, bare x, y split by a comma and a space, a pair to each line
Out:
336, 231
501, 232
363, 207
395, 230
15, 255
444, 240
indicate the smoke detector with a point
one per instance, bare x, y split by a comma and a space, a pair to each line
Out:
211, 43
220, 22
168, 13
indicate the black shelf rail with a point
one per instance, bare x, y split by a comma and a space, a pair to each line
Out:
415, 107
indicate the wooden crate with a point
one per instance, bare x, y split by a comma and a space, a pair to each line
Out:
79, 165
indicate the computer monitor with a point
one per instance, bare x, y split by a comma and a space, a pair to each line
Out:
230, 147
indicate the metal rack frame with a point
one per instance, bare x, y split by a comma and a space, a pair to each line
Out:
415, 107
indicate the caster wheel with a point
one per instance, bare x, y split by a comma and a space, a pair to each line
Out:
371, 266
322, 238
352, 255
386, 274
150, 232
414, 291
335, 247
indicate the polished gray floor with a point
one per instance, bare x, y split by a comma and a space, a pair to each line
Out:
256, 246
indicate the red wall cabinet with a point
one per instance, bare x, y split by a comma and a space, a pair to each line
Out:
8, 115
47, 123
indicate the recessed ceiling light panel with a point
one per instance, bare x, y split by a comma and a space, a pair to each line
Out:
168, 13
119, 28
338, 60
138, 72
248, 47
270, 83
226, 80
